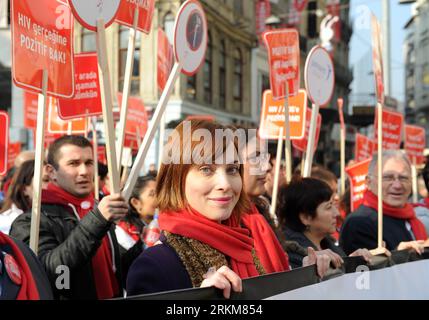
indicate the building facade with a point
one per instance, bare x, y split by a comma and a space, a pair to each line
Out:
417, 65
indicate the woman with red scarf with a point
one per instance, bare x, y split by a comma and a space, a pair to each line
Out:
202, 205
401, 228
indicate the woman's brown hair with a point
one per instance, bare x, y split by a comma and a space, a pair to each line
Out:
170, 188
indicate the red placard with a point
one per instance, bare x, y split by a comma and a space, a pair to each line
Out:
42, 38
377, 58
392, 130
4, 141
364, 147
300, 5
13, 151
283, 59
415, 143
30, 110
137, 121
126, 10
101, 153
165, 59
56, 125
263, 11
301, 145
357, 174
273, 116
87, 99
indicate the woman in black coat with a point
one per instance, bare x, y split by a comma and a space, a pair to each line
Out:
308, 215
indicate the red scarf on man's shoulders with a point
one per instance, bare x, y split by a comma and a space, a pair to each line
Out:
405, 213
102, 266
267, 246
232, 241
28, 290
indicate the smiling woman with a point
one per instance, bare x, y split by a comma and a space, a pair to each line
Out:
201, 205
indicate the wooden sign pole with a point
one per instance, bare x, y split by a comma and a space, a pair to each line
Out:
147, 140
276, 177
310, 144
38, 165
95, 150
288, 148
106, 100
127, 86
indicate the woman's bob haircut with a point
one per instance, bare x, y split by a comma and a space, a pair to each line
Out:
193, 143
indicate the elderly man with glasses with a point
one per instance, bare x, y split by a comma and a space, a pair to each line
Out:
401, 228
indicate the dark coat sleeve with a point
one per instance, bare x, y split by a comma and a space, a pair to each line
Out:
157, 269
75, 251
358, 232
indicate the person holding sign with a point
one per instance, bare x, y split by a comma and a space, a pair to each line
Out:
77, 243
401, 228
422, 208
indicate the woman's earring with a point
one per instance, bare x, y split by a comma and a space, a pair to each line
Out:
307, 227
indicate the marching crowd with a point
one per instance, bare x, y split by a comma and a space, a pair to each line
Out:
215, 217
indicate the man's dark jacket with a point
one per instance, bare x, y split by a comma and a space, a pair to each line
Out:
64, 241
360, 230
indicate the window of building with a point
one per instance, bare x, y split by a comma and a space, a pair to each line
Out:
238, 79
123, 49
222, 75
208, 72
238, 6
191, 87
89, 41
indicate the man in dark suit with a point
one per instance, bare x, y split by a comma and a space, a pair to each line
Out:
401, 228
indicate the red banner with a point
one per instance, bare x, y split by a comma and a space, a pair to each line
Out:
126, 10
357, 174
13, 151
101, 153
4, 141
42, 39
165, 59
283, 59
136, 123
30, 110
392, 129
301, 145
364, 147
415, 143
263, 11
87, 99
300, 5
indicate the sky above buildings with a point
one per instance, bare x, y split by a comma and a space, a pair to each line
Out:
361, 44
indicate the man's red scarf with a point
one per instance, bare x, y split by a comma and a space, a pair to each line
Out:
232, 241
28, 290
267, 246
104, 277
405, 213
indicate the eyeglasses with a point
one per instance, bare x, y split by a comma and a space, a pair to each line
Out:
390, 178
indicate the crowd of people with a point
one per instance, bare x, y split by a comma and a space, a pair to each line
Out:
214, 214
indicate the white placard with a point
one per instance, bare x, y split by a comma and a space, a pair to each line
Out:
319, 76
190, 36
87, 12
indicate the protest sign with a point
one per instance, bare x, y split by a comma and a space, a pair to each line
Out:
273, 116
87, 99
126, 13
42, 39
4, 141
364, 147
357, 174
391, 129
415, 143
283, 60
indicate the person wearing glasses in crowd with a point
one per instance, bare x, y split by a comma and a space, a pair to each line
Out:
401, 228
